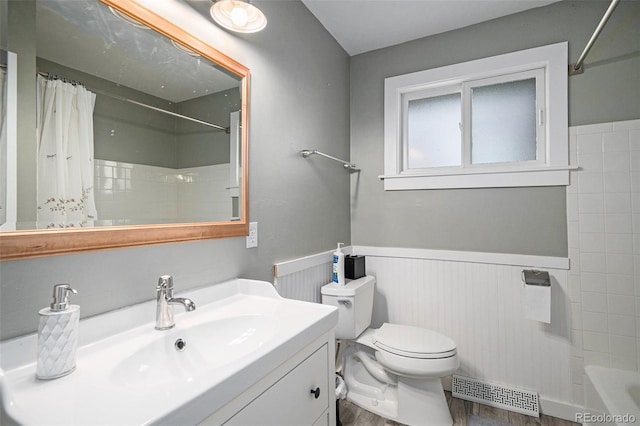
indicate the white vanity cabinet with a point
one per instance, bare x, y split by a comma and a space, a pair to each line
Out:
301, 391
299, 398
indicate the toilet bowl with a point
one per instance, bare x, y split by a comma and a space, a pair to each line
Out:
395, 370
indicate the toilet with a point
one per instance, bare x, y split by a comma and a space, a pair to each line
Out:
393, 371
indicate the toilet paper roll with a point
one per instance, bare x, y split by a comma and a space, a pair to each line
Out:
537, 303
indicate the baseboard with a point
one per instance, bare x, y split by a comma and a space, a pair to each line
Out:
561, 410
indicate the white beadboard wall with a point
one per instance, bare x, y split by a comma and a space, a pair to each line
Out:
302, 278
476, 299
305, 285
480, 306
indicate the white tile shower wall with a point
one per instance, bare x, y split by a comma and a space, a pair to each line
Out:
603, 213
479, 305
133, 193
203, 193
129, 194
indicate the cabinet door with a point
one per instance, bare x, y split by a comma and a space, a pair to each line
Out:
323, 420
298, 398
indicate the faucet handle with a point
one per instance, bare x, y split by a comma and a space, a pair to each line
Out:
166, 282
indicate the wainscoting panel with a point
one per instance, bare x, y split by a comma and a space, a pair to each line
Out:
305, 285
479, 305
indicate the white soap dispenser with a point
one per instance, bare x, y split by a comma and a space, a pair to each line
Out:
338, 266
58, 335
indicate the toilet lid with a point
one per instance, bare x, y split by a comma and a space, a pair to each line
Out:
414, 342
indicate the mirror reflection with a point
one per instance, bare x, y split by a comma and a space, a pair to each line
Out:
4, 137
130, 127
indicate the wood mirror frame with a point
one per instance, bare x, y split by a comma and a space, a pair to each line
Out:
37, 243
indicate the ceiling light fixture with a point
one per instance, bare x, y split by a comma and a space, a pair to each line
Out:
238, 15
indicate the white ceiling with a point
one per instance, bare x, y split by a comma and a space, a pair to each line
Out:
364, 25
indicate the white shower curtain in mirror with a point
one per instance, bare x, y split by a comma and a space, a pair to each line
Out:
65, 155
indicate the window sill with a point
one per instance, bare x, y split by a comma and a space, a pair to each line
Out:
548, 176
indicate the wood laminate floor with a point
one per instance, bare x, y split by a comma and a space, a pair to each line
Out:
461, 411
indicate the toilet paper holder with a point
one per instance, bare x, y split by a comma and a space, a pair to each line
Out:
535, 277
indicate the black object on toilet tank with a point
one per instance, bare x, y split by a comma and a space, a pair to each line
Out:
354, 267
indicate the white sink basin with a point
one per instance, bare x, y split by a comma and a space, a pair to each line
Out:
129, 373
207, 346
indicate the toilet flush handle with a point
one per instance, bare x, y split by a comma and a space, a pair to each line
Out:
345, 302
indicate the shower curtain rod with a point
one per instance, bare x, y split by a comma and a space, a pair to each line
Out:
577, 67
121, 98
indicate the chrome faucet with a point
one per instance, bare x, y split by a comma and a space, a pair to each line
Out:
164, 297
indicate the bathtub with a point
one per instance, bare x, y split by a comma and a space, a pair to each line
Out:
612, 395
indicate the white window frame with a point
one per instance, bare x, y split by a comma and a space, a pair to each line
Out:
551, 167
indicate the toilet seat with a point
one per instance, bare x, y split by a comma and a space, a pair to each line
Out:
413, 342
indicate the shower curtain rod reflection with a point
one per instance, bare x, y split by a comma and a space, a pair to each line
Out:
131, 101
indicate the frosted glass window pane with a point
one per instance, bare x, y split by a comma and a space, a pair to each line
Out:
503, 127
433, 132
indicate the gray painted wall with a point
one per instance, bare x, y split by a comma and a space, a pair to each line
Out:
198, 145
512, 220
300, 99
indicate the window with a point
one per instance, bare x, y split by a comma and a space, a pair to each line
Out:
432, 130
493, 122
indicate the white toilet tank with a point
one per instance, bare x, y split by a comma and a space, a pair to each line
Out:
355, 305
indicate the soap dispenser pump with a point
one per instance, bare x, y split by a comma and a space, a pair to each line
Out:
58, 335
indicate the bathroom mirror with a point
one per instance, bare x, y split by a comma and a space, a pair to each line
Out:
168, 116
